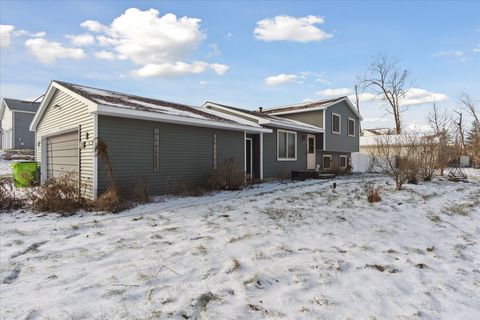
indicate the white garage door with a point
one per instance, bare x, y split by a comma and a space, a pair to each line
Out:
62, 155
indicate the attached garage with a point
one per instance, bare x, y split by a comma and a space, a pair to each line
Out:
62, 155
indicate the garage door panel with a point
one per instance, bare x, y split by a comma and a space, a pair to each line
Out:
62, 156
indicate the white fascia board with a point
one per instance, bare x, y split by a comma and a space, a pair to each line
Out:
52, 88
294, 127
146, 115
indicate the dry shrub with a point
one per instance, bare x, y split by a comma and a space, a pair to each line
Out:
9, 199
373, 193
141, 191
60, 195
111, 200
188, 188
228, 176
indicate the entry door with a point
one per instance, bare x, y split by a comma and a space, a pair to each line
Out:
248, 157
311, 154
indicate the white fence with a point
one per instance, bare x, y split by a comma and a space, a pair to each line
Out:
362, 162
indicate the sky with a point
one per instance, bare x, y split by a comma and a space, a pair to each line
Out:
246, 53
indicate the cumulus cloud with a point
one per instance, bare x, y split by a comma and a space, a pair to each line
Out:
334, 92
104, 54
286, 28
416, 96
6, 33
82, 39
48, 52
158, 44
280, 79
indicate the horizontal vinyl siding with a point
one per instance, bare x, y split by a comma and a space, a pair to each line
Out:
272, 168
70, 113
342, 142
24, 138
186, 153
311, 117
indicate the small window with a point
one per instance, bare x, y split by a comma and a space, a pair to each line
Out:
351, 127
311, 145
286, 145
156, 150
343, 162
336, 123
215, 160
327, 162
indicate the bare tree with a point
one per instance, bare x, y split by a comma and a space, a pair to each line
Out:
473, 134
440, 124
460, 133
388, 81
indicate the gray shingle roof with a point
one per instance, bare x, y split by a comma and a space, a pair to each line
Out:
21, 105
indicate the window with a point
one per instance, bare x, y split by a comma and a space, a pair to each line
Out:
351, 127
215, 161
327, 162
343, 162
336, 123
156, 150
311, 145
286, 145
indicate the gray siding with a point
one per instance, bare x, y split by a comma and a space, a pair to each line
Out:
186, 153
335, 158
341, 142
24, 138
272, 168
311, 117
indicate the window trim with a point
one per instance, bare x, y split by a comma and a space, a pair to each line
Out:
354, 127
339, 123
323, 161
286, 141
340, 162
156, 150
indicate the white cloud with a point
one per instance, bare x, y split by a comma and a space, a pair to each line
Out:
104, 54
460, 55
303, 29
93, 26
334, 92
6, 31
280, 79
419, 127
215, 50
171, 69
49, 52
38, 34
219, 69
416, 96
156, 43
82, 39
307, 100
363, 97
477, 49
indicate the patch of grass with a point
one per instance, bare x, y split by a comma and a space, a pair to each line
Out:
462, 209
235, 265
253, 279
382, 268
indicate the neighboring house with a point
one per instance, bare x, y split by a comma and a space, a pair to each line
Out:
340, 121
166, 142
16, 116
276, 154
377, 132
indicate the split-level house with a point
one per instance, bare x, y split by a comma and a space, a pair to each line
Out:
15, 118
169, 143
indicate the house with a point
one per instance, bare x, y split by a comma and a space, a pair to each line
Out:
15, 118
340, 121
172, 144
167, 142
285, 148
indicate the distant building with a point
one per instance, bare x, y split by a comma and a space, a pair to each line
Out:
15, 118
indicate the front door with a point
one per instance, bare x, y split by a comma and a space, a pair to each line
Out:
248, 158
311, 159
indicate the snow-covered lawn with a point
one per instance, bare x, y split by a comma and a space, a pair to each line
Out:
280, 251
5, 168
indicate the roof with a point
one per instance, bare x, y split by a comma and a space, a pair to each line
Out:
261, 118
129, 101
112, 103
310, 106
21, 105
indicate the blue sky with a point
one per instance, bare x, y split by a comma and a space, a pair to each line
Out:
221, 58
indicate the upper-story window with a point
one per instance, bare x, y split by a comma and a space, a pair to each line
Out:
351, 127
286, 145
336, 123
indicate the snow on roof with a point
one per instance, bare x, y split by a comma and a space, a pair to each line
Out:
270, 119
303, 106
128, 101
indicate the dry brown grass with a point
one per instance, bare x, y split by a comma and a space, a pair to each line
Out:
228, 176
373, 193
9, 199
141, 191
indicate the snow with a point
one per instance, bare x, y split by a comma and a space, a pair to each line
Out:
5, 168
303, 251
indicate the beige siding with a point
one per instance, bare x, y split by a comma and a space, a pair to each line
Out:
311, 117
70, 113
